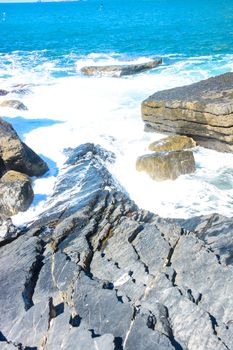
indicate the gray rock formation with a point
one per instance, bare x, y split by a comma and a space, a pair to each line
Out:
16, 193
99, 273
120, 70
166, 165
203, 110
16, 155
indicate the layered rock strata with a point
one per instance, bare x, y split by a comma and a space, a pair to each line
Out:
203, 110
96, 272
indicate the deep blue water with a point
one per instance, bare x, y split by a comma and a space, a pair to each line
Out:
133, 27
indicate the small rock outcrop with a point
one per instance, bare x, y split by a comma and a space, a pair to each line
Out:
16, 155
166, 165
203, 111
14, 104
3, 92
8, 230
172, 143
96, 272
120, 70
16, 193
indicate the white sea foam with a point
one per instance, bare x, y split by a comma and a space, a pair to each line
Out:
65, 112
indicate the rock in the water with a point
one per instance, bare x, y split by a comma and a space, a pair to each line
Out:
16, 193
120, 70
16, 155
203, 110
3, 92
166, 165
14, 104
172, 143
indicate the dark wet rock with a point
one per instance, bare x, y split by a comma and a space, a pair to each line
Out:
16, 193
166, 165
102, 274
120, 70
172, 143
2, 167
14, 104
16, 155
203, 110
3, 92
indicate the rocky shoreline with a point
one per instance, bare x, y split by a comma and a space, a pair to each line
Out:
96, 271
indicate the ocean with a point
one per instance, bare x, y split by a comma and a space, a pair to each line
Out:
45, 45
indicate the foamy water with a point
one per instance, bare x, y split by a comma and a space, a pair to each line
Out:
71, 110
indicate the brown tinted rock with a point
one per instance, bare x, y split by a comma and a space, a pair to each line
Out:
18, 156
16, 193
120, 70
172, 143
14, 104
203, 110
166, 165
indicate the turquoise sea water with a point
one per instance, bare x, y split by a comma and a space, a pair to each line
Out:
44, 45
133, 28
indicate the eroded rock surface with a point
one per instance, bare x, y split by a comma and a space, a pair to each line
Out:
203, 110
166, 165
99, 273
120, 70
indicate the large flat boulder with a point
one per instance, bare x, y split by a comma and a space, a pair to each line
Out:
203, 110
120, 70
16, 155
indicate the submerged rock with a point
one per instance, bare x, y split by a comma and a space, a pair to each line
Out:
120, 70
172, 143
3, 92
101, 273
14, 104
166, 165
203, 110
16, 155
16, 193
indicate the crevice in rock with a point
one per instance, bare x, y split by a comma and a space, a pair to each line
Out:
52, 314
118, 343
213, 323
75, 320
130, 326
93, 334
151, 321
32, 278
170, 254
146, 268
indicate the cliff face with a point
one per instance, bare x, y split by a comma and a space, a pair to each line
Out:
203, 110
96, 272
